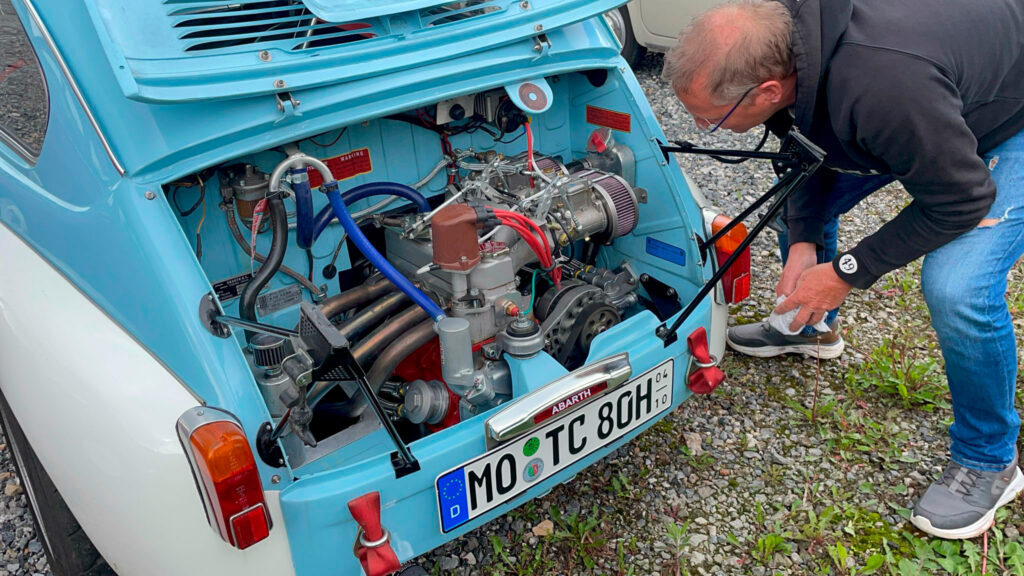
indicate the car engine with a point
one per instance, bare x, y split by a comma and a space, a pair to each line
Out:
508, 252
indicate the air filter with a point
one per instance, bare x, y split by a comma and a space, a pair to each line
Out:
619, 202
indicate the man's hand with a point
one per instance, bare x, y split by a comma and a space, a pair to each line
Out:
802, 256
818, 290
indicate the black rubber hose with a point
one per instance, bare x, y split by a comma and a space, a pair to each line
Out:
278, 245
229, 215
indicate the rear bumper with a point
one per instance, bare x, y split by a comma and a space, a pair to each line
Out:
320, 528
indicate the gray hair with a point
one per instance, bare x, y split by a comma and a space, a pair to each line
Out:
735, 46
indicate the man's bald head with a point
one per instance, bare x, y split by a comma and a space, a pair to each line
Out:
731, 48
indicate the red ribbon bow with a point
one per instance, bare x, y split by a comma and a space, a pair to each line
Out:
373, 547
707, 377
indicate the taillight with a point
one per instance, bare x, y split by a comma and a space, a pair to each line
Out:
227, 476
736, 281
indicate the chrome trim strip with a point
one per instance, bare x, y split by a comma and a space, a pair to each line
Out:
517, 417
20, 149
74, 85
193, 418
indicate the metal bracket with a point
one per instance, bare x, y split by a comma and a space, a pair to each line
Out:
333, 361
268, 448
403, 465
209, 311
286, 105
219, 325
664, 297
541, 45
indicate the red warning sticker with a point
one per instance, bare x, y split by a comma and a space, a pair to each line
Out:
608, 118
342, 167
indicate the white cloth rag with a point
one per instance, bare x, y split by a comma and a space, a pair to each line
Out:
781, 322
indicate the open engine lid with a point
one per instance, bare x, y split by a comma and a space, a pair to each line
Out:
187, 50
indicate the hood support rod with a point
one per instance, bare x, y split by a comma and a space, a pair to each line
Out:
795, 162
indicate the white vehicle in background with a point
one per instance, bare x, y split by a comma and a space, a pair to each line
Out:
643, 25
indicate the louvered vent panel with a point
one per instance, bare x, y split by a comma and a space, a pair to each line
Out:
210, 26
457, 12
262, 24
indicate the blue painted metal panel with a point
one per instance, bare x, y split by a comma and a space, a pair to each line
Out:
315, 508
180, 51
180, 137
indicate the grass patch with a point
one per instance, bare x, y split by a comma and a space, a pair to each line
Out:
851, 432
903, 368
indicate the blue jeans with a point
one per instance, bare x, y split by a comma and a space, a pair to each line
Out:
964, 285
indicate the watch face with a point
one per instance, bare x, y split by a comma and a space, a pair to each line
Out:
848, 264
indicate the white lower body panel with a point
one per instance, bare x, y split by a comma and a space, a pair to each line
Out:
99, 410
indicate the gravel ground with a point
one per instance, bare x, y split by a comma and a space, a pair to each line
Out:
22, 551
743, 481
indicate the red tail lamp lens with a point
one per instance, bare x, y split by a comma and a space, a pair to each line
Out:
227, 469
736, 281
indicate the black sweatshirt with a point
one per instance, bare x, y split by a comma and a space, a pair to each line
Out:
917, 89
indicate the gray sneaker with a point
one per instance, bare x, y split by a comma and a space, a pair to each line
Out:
763, 341
963, 503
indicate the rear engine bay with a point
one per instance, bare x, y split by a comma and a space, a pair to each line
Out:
531, 233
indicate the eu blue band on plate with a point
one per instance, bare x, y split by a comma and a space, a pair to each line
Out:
666, 251
454, 503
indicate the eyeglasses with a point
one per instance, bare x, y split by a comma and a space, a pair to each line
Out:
708, 127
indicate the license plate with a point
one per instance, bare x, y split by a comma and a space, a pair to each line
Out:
500, 475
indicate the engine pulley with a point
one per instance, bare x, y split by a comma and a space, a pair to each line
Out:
576, 315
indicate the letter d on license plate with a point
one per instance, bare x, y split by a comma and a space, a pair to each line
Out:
509, 470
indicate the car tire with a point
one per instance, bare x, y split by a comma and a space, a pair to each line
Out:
67, 547
622, 26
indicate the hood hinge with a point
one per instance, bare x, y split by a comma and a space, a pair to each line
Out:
541, 45
286, 105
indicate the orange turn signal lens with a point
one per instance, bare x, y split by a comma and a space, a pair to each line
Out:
223, 463
731, 241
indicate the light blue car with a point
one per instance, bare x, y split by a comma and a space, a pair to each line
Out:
314, 286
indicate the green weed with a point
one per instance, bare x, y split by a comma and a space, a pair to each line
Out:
851, 431
530, 561
580, 533
678, 538
821, 411
901, 368
624, 568
769, 545
619, 485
